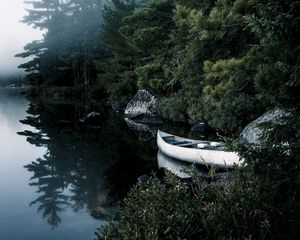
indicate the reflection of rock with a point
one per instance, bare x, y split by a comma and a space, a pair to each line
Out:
153, 120
143, 108
104, 213
103, 209
251, 133
144, 132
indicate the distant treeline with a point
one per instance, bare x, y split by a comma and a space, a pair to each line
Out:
222, 61
12, 79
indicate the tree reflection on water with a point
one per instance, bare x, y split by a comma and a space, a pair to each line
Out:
85, 167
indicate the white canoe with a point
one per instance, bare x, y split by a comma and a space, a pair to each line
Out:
197, 151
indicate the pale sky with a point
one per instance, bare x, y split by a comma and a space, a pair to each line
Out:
13, 34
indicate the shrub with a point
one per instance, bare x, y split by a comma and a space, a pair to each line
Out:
177, 210
174, 108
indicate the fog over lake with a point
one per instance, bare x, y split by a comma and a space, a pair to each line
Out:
14, 34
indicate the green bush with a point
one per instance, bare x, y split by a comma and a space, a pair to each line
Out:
174, 108
232, 113
177, 210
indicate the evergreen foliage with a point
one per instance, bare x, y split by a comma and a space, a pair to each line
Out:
116, 72
147, 33
64, 57
224, 62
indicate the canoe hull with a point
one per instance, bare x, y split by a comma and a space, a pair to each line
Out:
209, 157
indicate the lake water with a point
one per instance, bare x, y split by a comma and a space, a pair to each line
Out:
59, 178
62, 179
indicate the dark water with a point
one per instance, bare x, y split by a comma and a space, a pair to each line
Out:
59, 178
62, 179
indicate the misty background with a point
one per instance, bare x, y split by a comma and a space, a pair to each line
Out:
14, 36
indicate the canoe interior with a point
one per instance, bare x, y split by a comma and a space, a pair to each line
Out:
189, 143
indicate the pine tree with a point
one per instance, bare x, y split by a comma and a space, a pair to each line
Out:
70, 45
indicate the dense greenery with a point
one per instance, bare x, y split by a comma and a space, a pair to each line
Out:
225, 62
220, 61
213, 58
116, 73
180, 211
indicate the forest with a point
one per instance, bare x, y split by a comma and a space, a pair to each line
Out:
224, 62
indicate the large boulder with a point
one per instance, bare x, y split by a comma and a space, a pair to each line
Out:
252, 132
143, 108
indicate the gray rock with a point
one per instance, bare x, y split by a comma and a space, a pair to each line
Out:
252, 132
143, 180
142, 104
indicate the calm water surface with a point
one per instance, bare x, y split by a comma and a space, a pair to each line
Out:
60, 179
